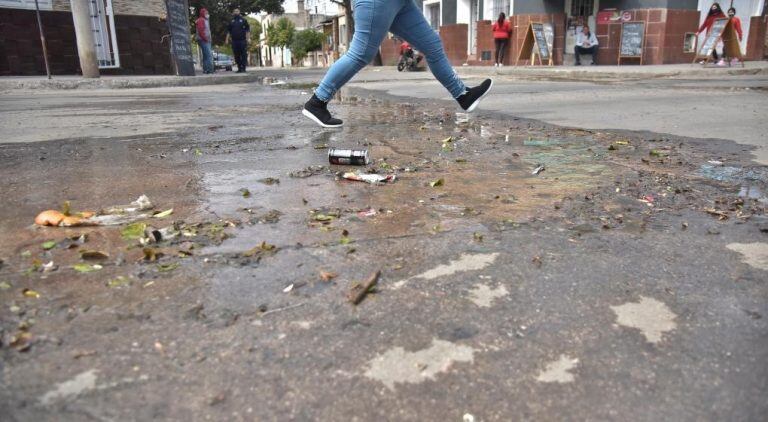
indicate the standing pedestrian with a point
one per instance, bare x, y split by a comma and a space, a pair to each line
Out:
501, 30
715, 12
239, 32
373, 19
203, 27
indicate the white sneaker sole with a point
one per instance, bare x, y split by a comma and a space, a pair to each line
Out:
316, 120
477, 101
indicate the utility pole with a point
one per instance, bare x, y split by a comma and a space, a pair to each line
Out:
86, 46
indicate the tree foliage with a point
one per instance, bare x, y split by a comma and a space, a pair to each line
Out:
281, 33
305, 41
256, 29
221, 12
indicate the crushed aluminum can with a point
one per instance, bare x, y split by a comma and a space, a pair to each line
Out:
348, 157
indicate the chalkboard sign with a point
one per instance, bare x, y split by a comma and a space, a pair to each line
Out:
712, 37
178, 24
632, 39
541, 41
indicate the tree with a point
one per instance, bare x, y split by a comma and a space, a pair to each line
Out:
304, 42
347, 5
221, 12
254, 44
281, 34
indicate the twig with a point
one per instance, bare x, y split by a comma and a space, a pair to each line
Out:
272, 311
358, 292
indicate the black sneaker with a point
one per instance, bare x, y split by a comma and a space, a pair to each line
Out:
317, 110
469, 100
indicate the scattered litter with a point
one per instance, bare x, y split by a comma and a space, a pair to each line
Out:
163, 214
719, 214
4, 285
278, 83
715, 162
540, 168
49, 245
348, 157
114, 215
373, 179
133, 231
270, 181
245, 192
658, 153
260, 251
164, 268
367, 213
288, 289
536, 261
358, 291
118, 282
437, 183
462, 118
307, 172
151, 254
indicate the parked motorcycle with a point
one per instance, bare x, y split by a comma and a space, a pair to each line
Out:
409, 60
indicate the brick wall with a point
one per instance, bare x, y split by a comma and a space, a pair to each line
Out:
455, 42
665, 31
390, 51
520, 26
138, 39
125, 7
757, 38
485, 43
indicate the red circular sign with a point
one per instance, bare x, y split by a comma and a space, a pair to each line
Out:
626, 16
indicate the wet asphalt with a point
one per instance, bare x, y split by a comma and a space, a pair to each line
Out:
626, 281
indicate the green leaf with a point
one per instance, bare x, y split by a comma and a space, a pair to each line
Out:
26, 254
86, 268
245, 192
163, 214
4, 285
198, 152
134, 231
118, 282
49, 245
164, 268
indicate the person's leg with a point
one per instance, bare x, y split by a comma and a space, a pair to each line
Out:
577, 52
207, 57
498, 50
411, 25
372, 21
594, 54
503, 52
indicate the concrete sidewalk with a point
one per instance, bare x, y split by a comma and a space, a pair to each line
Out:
372, 74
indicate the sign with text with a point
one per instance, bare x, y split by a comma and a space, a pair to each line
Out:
632, 34
181, 45
542, 46
714, 35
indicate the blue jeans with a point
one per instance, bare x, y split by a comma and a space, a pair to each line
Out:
373, 19
207, 57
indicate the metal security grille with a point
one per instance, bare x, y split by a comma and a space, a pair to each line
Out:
103, 24
500, 6
582, 7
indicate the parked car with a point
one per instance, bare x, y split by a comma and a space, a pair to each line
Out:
222, 61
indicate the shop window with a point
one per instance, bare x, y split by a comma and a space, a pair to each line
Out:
582, 7
27, 4
434, 15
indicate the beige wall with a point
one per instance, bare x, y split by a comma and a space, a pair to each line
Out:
126, 7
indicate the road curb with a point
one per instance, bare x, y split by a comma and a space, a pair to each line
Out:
128, 83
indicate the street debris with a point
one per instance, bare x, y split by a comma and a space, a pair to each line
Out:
348, 157
245, 192
260, 251
49, 245
114, 215
93, 255
540, 168
536, 260
367, 213
288, 288
327, 276
86, 268
717, 213
373, 179
358, 291
270, 181
163, 214
437, 183
30, 293
307, 172
658, 153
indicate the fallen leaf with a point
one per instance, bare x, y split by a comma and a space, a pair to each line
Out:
245, 192
477, 236
30, 293
163, 214
327, 276
164, 268
26, 254
49, 245
151, 254
436, 183
4, 285
536, 261
658, 153
86, 268
270, 181
93, 255
198, 152
118, 282
66, 208
323, 217
134, 231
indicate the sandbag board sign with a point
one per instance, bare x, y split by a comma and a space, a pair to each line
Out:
181, 45
721, 30
632, 41
535, 45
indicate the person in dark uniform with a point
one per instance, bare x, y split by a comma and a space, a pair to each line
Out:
239, 32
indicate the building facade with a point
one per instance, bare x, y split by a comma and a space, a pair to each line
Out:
131, 37
670, 26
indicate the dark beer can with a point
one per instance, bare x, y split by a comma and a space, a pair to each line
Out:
348, 157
